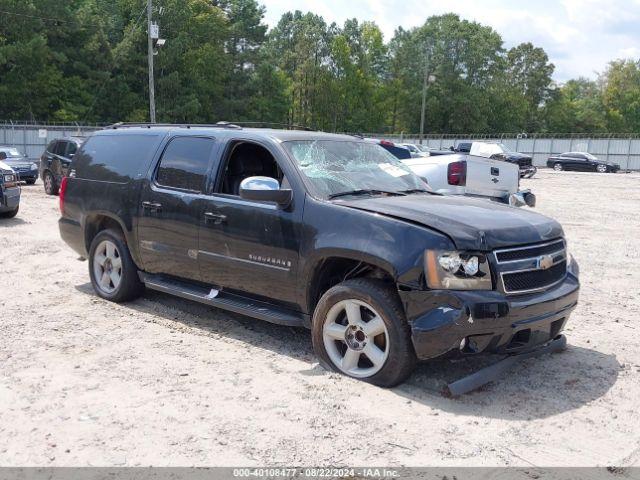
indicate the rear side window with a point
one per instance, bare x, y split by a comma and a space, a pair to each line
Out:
115, 158
60, 148
184, 163
51, 147
71, 148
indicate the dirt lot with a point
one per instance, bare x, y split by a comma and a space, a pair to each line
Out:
163, 381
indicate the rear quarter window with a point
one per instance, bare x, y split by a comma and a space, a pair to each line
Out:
115, 158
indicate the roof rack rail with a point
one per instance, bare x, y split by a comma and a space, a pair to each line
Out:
227, 125
272, 125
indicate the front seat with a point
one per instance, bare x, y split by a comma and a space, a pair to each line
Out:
241, 168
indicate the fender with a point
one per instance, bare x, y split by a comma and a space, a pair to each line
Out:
396, 247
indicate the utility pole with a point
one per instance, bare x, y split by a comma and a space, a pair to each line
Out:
425, 83
152, 93
424, 96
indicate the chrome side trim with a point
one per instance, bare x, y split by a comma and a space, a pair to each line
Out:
226, 257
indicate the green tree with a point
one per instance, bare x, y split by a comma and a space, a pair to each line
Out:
529, 71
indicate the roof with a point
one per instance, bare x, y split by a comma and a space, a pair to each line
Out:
222, 132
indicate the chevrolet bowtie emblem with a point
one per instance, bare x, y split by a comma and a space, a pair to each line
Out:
545, 262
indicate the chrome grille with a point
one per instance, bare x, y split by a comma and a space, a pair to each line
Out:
510, 255
532, 268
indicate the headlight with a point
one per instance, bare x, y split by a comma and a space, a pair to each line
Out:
34, 166
457, 270
9, 178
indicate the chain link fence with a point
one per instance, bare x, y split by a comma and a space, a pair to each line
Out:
624, 149
32, 138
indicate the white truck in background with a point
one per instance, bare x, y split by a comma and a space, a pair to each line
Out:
464, 174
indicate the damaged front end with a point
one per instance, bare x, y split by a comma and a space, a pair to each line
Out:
535, 289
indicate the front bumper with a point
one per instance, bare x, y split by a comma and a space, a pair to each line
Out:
473, 322
27, 175
9, 199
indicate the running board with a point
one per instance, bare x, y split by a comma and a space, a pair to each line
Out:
224, 300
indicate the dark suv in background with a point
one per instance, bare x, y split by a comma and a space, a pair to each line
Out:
55, 161
312, 229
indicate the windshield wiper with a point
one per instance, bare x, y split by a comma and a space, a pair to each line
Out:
364, 192
415, 190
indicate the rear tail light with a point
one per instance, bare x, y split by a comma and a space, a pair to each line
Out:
387, 143
63, 190
457, 173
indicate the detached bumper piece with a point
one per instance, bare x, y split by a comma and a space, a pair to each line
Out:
495, 371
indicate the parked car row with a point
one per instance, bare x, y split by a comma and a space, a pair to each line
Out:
472, 175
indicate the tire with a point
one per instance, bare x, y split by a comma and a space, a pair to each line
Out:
602, 168
113, 274
30, 182
10, 214
338, 338
558, 167
50, 185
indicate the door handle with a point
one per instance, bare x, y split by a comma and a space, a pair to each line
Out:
215, 218
152, 206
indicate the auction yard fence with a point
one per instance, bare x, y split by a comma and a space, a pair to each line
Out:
624, 149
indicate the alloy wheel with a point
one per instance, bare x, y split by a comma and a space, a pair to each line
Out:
107, 266
356, 338
48, 183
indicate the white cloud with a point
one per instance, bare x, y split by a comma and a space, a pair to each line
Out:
580, 36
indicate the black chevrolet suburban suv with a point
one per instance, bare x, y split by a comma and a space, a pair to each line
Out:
312, 229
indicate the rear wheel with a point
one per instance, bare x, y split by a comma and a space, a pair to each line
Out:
50, 186
359, 329
113, 273
10, 214
602, 169
558, 167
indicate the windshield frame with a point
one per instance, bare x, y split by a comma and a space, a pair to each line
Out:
313, 190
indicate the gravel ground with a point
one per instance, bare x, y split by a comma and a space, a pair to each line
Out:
167, 382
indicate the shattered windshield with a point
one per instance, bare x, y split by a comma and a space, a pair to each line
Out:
338, 167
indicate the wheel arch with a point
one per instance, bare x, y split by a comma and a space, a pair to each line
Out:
99, 221
328, 270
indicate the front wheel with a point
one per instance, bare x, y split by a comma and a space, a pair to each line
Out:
602, 169
113, 273
31, 181
359, 329
558, 167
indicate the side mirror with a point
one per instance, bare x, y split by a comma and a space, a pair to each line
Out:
264, 189
71, 155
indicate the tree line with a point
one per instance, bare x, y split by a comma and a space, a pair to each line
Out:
86, 61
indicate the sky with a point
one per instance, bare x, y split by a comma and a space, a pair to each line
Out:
580, 36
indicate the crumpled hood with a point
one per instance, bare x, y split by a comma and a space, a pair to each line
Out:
472, 224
